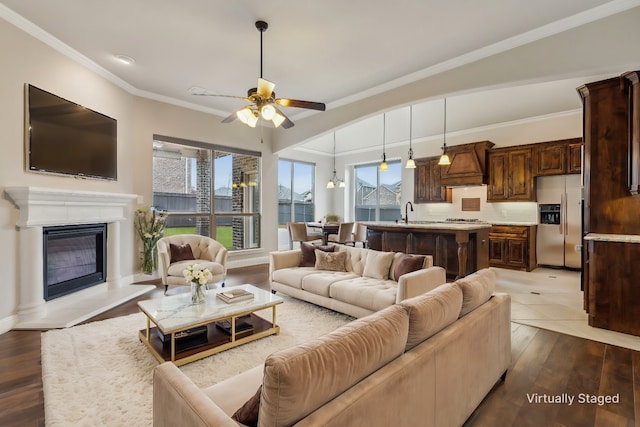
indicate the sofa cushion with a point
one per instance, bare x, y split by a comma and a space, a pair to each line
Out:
476, 288
180, 252
431, 312
408, 263
320, 283
365, 292
308, 250
247, 414
330, 261
377, 264
292, 276
300, 379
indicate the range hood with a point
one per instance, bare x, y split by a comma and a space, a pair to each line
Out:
468, 164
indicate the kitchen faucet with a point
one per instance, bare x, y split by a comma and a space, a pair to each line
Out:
406, 214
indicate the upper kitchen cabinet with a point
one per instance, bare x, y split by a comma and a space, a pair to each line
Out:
510, 175
468, 164
557, 157
428, 186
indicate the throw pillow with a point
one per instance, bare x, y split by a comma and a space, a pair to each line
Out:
407, 264
331, 261
377, 265
248, 413
309, 253
180, 252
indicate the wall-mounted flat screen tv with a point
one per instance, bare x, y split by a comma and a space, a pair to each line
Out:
66, 138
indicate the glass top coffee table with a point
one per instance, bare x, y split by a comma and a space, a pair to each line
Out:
180, 332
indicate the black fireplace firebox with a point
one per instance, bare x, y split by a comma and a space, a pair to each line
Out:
75, 257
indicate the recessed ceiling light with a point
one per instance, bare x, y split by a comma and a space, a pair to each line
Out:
125, 59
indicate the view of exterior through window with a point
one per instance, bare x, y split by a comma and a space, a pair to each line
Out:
295, 192
183, 177
378, 193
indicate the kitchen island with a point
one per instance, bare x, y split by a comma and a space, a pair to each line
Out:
460, 248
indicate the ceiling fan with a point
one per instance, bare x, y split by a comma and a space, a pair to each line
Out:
264, 103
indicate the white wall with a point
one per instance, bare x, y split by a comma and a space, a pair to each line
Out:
27, 60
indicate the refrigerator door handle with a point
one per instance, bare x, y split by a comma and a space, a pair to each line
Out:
562, 213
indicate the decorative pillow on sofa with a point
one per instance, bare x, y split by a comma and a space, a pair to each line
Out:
248, 413
332, 261
180, 252
309, 253
377, 265
407, 264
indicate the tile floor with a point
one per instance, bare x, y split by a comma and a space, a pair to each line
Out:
551, 299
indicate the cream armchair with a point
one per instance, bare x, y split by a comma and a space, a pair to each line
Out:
174, 256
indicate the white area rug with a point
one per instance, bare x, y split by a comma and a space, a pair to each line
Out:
100, 374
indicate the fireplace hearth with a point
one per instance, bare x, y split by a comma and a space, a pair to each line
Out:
75, 258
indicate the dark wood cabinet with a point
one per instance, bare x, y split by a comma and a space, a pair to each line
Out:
557, 157
512, 246
428, 186
510, 175
611, 123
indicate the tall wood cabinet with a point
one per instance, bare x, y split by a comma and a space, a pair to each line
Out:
510, 175
611, 122
428, 186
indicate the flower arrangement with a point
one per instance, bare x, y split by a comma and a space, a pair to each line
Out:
197, 277
150, 224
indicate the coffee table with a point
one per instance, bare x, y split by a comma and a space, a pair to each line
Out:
180, 332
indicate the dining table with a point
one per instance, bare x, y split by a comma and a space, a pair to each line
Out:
326, 228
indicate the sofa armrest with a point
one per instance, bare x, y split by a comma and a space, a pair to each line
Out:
218, 254
177, 401
283, 259
164, 259
420, 281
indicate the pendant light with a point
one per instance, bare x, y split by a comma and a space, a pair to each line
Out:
383, 166
410, 163
444, 158
335, 181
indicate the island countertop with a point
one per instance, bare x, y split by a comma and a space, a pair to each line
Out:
459, 247
430, 225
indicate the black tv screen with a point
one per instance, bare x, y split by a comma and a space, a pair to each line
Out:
67, 138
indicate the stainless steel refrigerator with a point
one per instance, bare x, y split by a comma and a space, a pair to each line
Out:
559, 239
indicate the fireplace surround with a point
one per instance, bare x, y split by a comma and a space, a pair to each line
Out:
46, 207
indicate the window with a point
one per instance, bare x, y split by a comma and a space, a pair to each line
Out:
184, 172
378, 193
295, 192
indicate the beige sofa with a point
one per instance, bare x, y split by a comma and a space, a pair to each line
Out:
427, 361
367, 285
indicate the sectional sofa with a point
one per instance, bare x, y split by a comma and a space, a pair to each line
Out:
427, 361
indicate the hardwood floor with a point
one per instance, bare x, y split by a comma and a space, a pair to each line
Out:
543, 362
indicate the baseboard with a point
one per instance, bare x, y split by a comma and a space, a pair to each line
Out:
8, 323
247, 262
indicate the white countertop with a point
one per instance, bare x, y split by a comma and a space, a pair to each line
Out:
623, 238
432, 225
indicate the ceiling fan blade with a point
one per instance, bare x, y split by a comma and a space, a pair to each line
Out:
230, 118
265, 88
301, 104
286, 123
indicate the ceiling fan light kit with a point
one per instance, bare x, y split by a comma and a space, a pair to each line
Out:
263, 100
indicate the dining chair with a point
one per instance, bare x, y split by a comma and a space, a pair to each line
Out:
344, 236
298, 233
360, 234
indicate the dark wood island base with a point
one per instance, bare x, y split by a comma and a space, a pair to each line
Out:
460, 249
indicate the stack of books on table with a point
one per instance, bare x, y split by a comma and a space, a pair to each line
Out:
234, 295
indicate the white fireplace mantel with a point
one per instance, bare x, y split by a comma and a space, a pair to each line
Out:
47, 206
42, 207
